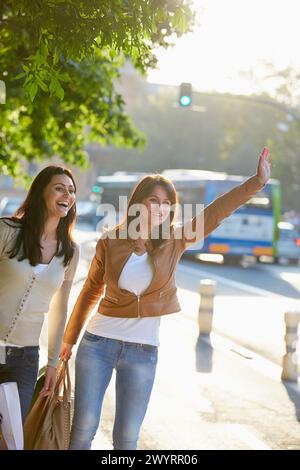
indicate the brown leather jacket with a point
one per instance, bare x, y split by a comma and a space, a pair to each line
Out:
160, 297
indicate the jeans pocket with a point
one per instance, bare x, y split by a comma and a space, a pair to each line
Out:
31, 357
149, 348
150, 352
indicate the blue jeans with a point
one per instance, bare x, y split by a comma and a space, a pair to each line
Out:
22, 365
135, 366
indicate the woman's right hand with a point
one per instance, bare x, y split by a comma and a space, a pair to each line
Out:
66, 351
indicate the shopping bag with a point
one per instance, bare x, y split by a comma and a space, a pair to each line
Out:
38, 386
10, 411
3, 444
48, 424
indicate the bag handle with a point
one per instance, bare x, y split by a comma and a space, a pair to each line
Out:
63, 383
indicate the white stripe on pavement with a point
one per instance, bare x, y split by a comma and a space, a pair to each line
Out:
236, 284
258, 363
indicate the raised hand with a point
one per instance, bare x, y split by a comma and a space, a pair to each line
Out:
264, 166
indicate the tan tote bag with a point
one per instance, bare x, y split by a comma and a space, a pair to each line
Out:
48, 424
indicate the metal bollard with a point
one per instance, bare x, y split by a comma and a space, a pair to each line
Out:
289, 362
206, 308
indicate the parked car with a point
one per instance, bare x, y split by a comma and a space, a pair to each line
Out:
8, 206
288, 247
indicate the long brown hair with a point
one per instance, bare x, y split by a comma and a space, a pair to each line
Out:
143, 190
30, 218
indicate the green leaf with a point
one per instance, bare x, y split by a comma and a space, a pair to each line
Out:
161, 15
32, 90
154, 27
59, 91
179, 20
64, 77
53, 86
20, 75
42, 84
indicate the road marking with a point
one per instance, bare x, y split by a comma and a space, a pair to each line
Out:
240, 354
258, 363
237, 284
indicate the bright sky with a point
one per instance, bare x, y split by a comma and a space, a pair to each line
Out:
233, 36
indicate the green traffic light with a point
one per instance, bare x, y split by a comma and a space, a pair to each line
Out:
96, 189
185, 100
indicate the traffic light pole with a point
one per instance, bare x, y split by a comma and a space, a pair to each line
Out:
250, 99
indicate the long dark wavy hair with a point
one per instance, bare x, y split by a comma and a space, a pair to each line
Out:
30, 218
143, 190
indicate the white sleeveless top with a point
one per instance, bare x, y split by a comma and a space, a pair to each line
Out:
135, 277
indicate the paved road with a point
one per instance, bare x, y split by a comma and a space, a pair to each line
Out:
245, 310
276, 279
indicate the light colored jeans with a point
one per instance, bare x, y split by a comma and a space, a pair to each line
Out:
135, 366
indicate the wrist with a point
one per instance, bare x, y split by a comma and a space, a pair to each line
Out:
261, 183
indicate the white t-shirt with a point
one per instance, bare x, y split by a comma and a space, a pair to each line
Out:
135, 277
39, 268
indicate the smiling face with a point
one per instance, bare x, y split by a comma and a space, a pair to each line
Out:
59, 196
158, 206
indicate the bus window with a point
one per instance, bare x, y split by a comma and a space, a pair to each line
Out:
111, 195
191, 195
261, 200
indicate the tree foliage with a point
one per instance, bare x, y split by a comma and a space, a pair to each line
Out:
59, 60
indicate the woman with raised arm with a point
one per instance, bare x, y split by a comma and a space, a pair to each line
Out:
38, 260
133, 276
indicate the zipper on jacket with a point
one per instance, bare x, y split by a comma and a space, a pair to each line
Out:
138, 299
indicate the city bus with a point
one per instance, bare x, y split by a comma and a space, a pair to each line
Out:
109, 191
252, 230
